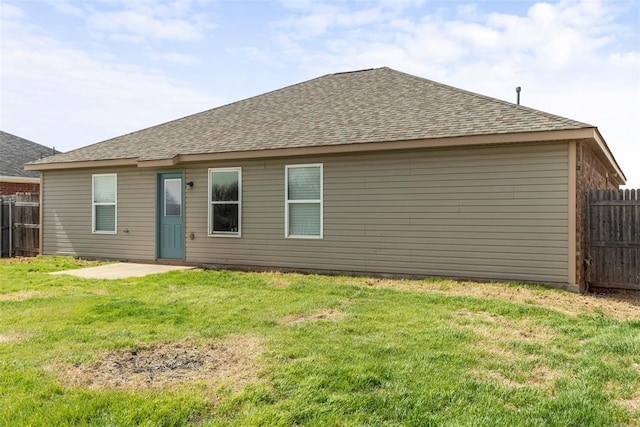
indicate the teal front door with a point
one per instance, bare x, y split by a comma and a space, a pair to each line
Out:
170, 212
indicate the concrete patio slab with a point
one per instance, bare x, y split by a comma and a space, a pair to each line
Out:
121, 270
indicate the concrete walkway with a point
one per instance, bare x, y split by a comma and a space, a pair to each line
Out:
121, 270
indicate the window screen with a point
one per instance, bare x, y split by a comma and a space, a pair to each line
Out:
304, 201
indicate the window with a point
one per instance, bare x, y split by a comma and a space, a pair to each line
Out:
303, 189
225, 207
105, 209
173, 197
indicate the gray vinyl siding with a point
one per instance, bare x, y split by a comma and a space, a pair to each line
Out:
67, 219
493, 212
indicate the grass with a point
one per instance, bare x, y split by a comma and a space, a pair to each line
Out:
224, 348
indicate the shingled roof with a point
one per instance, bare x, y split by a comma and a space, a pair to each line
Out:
16, 151
376, 105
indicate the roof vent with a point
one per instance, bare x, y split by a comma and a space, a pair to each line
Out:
518, 89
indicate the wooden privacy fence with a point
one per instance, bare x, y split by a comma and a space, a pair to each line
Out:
19, 225
613, 239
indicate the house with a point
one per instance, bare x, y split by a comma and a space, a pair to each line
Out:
371, 172
14, 153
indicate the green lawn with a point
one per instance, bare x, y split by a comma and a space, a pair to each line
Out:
228, 348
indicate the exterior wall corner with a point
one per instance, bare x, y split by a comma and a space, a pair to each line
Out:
571, 210
590, 174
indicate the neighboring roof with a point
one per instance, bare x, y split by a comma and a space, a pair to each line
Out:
344, 108
16, 151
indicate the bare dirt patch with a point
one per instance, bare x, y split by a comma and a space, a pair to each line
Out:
539, 376
632, 403
499, 329
14, 336
278, 280
164, 365
622, 397
621, 305
498, 335
326, 315
21, 296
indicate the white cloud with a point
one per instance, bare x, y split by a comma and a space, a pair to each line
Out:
555, 34
256, 55
141, 20
8, 11
314, 19
56, 94
571, 57
478, 36
550, 35
175, 58
143, 24
66, 7
152, 24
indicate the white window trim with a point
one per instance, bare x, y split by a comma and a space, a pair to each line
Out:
94, 204
287, 201
210, 232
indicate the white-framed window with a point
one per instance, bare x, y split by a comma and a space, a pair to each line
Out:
225, 202
104, 213
303, 205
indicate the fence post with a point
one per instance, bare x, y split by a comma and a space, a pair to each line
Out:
588, 258
1, 226
10, 228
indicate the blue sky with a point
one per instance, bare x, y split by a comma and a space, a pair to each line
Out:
74, 73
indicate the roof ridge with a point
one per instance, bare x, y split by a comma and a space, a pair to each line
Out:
11, 135
5, 136
356, 71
